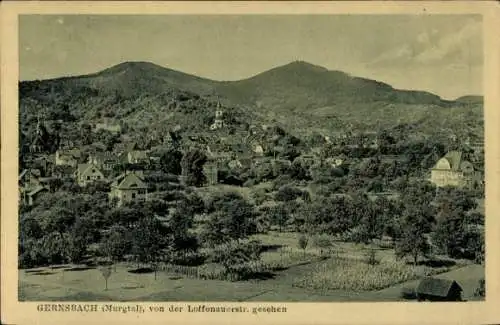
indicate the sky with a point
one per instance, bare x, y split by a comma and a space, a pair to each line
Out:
442, 54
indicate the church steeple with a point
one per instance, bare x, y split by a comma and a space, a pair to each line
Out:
218, 123
41, 136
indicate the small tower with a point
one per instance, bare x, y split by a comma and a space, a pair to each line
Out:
218, 124
37, 143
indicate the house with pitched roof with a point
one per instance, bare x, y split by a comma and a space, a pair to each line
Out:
129, 187
105, 161
88, 173
30, 178
32, 195
31, 184
137, 156
113, 128
435, 289
455, 170
67, 157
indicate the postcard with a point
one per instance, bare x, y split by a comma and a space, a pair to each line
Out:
250, 162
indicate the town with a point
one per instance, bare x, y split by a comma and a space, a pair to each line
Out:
355, 212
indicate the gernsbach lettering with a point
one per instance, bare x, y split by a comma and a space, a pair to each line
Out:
84, 308
216, 309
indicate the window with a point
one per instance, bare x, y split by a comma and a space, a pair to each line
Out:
88, 178
93, 171
133, 195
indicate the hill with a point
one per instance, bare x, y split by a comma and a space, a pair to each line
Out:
470, 99
303, 85
301, 96
312, 97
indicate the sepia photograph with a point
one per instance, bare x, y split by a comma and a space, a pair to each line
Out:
244, 158
210, 162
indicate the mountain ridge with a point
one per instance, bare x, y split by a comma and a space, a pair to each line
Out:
297, 67
302, 95
150, 67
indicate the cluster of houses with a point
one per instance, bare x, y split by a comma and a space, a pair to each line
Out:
98, 167
223, 151
368, 139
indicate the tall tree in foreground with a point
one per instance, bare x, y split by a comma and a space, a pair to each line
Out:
151, 240
415, 225
302, 243
116, 244
234, 218
192, 167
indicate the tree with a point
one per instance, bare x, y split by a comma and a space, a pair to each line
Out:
59, 219
298, 171
278, 215
365, 218
124, 215
234, 218
302, 243
170, 161
150, 239
455, 235
107, 138
181, 222
371, 257
86, 136
323, 242
29, 227
55, 184
53, 247
456, 199
376, 218
324, 215
289, 193
414, 227
235, 255
192, 167
116, 243
418, 193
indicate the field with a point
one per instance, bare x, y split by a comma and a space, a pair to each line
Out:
301, 276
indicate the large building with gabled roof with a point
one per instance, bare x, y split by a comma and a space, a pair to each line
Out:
129, 187
88, 173
455, 170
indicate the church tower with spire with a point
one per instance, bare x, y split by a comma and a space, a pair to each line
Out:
39, 142
218, 123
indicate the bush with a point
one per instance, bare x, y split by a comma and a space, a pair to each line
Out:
289, 193
26, 261
212, 271
282, 180
302, 243
371, 257
480, 291
323, 242
258, 195
249, 183
189, 258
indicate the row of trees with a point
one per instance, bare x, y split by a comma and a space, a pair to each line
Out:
66, 228
421, 220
